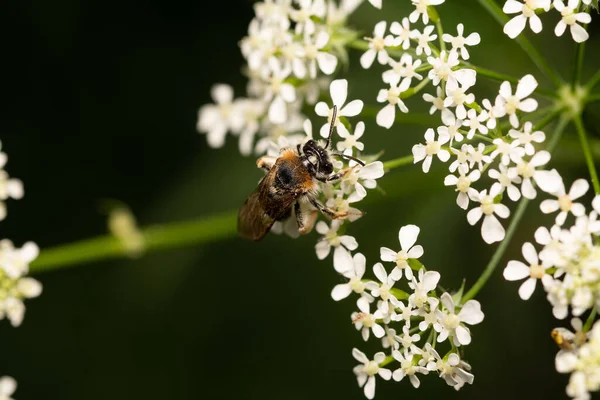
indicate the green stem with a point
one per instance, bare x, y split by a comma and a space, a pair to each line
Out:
512, 228
440, 32
157, 237
587, 152
579, 53
398, 162
592, 98
530, 50
547, 119
590, 321
594, 81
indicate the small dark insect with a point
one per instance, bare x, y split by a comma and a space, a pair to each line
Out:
291, 179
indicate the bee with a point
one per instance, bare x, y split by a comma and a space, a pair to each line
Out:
291, 179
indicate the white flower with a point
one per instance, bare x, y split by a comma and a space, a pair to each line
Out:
377, 45
494, 111
507, 151
383, 290
430, 148
437, 102
526, 137
518, 101
407, 367
570, 17
491, 229
339, 94
365, 321
214, 119
451, 325
404, 313
548, 181
351, 141
375, 3
463, 186
390, 339
365, 373
452, 369
421, 9
405, 68
407, 236
302, 15
507, 178
427, 281
459, 42
15, 261
526, 11
424, 38
475, 123
403, 33
386, 116
355, 284
477, 156
516, 270
462, 159
564, 201
314, 54
7, 387
456, 96
279, 92
342, 260
361, 177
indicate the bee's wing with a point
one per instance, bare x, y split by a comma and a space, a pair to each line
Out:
253, 221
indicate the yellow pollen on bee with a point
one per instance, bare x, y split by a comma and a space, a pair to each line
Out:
537, 271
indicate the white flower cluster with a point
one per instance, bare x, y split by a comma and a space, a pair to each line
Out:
579, 356
572, 14
568, 266
291, 49
519, 166
14, 262
410, 324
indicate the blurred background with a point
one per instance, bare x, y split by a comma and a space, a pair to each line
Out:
100, 100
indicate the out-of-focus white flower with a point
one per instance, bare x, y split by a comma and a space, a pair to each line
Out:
423, 40
404, 68
437, 102
315, 56
403, 33
8, 386
215, 119
342, 260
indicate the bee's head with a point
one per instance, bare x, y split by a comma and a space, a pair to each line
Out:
317, 160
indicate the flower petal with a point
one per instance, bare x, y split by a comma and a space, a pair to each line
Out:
515, 270
408, 236
527, 288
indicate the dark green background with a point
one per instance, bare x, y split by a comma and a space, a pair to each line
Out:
99, 100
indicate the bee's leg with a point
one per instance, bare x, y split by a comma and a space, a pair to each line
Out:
328, 211
266, 162
338, 175
305, 220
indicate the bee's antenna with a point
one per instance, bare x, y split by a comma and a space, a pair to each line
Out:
362, 163
333, 116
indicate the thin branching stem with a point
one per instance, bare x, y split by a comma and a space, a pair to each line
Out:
587, 153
